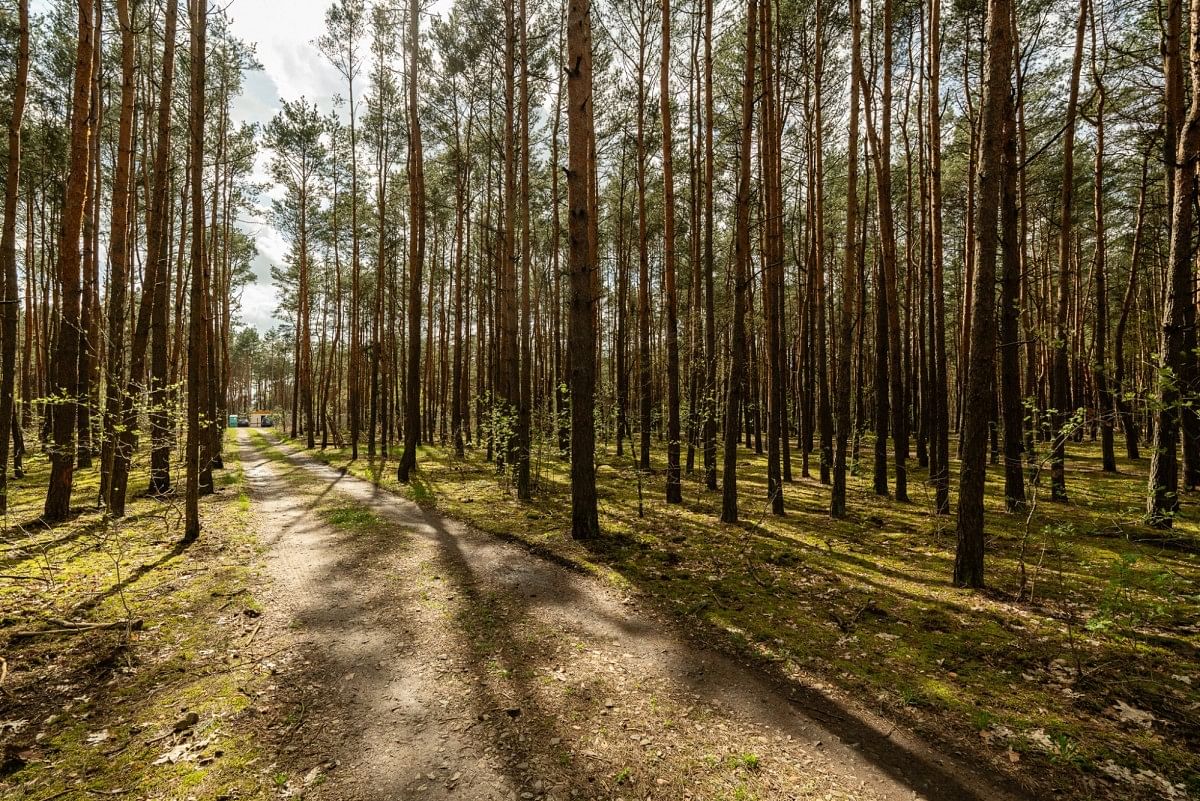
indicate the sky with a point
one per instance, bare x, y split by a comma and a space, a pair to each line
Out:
284, 34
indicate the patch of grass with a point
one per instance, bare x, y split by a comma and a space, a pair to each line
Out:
100, 707
350, 517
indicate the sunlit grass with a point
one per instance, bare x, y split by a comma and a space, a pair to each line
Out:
130, 689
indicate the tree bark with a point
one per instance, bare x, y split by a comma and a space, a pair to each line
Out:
416, 252
66, 359
737, 353
197, 372
119, 253
968, 561
674, 488
582, 233
837, 507
9, 423
1163, 492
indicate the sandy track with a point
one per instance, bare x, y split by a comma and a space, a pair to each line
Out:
427, 660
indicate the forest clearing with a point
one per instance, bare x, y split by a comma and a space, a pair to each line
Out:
723, 400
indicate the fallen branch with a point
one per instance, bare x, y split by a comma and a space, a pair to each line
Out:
253, 634
12, 577
68, 627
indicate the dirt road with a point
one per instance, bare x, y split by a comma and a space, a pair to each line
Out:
424, 660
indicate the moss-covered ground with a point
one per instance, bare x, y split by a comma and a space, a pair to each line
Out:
1076, 671
168, 711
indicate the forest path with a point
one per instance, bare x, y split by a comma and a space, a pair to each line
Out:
425, 660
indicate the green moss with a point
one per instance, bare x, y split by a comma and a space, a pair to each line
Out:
185, 658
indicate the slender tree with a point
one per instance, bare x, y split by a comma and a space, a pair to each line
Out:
416, 250
1062, 404
197, 371
9, 423
1163, 496
741, 279
837, 506
939, 462
119, 258
968, 560
581, 229
66, 357
674, 488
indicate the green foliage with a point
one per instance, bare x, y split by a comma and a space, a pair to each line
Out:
1133, 596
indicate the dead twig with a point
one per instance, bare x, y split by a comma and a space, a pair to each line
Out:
253, 634
11, 577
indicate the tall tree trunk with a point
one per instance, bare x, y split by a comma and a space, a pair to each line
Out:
582, 227
416, 251
1104, 394
645, 383
881, 151
525, 395
710, 336
1163, 492
1012, 405
940, 395
9, 424
66, 359
153, 311
968, 561
89, 303
197, 377
1129, 423
1060, 378
772, 253
119, 252
837, 507
737, 353
674, 488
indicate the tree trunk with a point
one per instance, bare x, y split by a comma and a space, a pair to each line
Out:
66, 359
525, 394
1011, 401
119, 253
9, 422
710, 336
968, 561
940, 396
837, 507
674, 489
197, 360
581, 227
881, 151
1163, 492
1060, 379
737, 353
1129, 423
416, 253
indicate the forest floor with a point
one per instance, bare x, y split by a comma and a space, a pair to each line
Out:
1075, 675
334, 635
